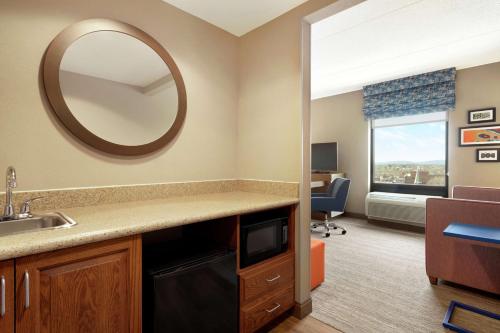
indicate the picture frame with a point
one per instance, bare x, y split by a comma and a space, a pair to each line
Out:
486, 115
471, 136
488, 155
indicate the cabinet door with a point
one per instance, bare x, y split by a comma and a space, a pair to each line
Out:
7, 296
91, 288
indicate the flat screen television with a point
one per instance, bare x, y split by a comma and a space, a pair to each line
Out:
324, 157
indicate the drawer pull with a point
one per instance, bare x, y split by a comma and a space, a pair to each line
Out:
274, 309
2, 306
26, 290
274, 278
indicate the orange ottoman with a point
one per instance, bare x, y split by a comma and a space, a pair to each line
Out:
317, 262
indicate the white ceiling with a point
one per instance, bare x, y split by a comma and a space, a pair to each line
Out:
116, 57
236, 16
380, 40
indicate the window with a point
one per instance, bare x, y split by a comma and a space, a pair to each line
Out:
409, 154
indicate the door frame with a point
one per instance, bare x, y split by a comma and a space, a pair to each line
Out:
304, 241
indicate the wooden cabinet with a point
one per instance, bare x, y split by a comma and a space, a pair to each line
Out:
258, 314
266, 291
267, 288
91, 288
263, 280
97, 287
7, 296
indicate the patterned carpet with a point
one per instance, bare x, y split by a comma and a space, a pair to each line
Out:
376, 282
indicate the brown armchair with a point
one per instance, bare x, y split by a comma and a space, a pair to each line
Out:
464, 262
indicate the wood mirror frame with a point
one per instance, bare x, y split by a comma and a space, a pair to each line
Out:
52, 62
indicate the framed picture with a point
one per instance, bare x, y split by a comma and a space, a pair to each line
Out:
487, 115
488, 155
479, 135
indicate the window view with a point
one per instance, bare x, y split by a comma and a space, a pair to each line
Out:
412, 154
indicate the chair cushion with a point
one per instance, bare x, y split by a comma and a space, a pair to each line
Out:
317, 262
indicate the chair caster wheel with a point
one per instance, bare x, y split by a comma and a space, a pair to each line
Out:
344, 232
327, 235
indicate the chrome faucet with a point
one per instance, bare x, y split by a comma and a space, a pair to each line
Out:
11, 183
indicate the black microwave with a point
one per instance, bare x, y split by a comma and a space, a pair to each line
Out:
262, 240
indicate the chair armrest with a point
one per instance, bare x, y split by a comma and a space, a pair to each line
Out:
326, 204
319, 195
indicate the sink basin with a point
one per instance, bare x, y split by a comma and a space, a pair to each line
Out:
36, 223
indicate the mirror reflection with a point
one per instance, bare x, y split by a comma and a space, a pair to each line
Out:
118, 88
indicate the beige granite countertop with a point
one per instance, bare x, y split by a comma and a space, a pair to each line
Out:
97, 223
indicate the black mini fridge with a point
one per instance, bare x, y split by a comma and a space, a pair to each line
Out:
196, 293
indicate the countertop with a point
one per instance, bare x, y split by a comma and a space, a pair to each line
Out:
97, 223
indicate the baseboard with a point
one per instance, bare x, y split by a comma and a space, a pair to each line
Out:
398, 226
355, 215
321, 217
301, 311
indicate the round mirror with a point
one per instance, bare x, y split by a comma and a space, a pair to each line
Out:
114, 87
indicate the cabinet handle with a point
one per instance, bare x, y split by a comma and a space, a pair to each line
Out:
26, 289
274, 278
273, 309
2, 301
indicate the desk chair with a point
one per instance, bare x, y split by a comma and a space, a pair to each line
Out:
331, 203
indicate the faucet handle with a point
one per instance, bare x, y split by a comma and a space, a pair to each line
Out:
26, 206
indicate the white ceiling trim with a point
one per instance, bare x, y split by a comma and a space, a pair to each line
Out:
236, 16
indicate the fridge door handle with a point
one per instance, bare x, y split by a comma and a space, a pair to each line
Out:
2, 306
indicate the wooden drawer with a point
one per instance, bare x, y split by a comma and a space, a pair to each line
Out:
266, 279
254, 316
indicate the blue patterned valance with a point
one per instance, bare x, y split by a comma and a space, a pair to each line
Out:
424, 93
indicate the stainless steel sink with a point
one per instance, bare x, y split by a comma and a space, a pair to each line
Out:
36, 223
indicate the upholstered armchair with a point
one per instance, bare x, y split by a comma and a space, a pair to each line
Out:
468, 263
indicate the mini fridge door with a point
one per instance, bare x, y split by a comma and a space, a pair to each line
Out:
200, 296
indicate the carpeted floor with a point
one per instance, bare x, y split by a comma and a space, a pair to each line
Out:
376, 282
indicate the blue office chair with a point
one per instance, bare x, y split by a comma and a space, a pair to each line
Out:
331, 203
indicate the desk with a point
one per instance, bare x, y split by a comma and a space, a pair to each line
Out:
319, 180
317, 183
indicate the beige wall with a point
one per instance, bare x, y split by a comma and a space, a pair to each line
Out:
269, 109
43, 152
269, 114
477, 87
339, 118
136, 117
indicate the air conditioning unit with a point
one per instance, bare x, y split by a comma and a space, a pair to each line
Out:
395, 207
